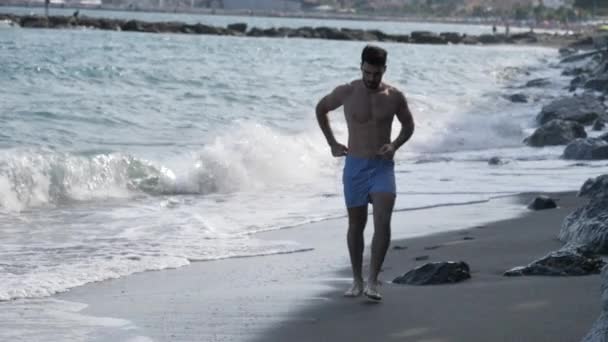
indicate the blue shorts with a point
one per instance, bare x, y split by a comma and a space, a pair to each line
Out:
363, 176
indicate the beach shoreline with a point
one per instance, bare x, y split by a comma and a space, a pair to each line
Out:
299, 296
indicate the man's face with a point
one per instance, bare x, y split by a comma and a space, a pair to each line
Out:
372, 75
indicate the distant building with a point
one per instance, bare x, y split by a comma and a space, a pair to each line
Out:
557, 3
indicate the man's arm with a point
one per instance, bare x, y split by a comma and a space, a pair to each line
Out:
407, 122
328, 103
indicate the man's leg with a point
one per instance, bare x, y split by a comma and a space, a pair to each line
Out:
357, 218
383, 203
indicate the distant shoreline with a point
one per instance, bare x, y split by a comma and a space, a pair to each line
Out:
314, 15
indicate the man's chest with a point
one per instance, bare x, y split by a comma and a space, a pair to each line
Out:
369, 108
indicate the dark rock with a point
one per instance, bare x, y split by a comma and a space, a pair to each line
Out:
538, 83
599, 125
588, 225
599, 83
580, 57
584, 109
595, 188
578, 81
518, 98
556, 132
587, 149
470, 40
33, 21
565, 262
422, 258
574, 71
491, 38
436, 273
542, 203
604, 137
238, 27
133, 25
565, 52
451, 37
497, 161
524, 37
599, 330
468, 238
426, 37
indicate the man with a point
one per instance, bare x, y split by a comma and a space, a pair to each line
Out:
369, 176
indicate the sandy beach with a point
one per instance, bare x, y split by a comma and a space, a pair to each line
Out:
298, 297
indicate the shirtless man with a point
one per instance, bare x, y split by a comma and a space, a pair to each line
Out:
369, 171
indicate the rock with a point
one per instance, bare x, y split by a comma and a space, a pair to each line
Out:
426, 37
491, 38
524, 37
599, 83
580, 57
595, 188
604, 137
584, 109
518, 98
565, 262
599, 125
34, 21
238, 27
497, 161
451, 37
565, 52
436, 273
470, 40
542, 203
599, 330
587, 149
422, 258
588, 225
538, 83
133, 25
578, 81
556, 132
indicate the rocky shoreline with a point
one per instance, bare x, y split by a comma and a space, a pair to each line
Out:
242, 29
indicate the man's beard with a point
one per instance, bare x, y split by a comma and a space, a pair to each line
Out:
371, 85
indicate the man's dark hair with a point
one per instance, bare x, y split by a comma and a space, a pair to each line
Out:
374, 55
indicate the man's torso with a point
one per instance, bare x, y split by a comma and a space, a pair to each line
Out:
369, 117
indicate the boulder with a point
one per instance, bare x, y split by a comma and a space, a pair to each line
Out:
587, 149
426, 37
599, 125
542, 203
588, 225
470, 40
496, 161
556, 132
133, 25
451, 37
436, 273
491, 38
599, 83
599, 330
518, 98
565, 262
34, 21
584, 109
238, 27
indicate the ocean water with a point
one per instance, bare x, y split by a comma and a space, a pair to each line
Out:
126, 152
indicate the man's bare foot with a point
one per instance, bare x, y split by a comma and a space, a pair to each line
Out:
371, 291
355, 290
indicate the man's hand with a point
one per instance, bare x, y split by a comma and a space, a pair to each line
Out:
338, 150
387, 151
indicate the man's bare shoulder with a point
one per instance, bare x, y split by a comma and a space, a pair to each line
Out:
394, 93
